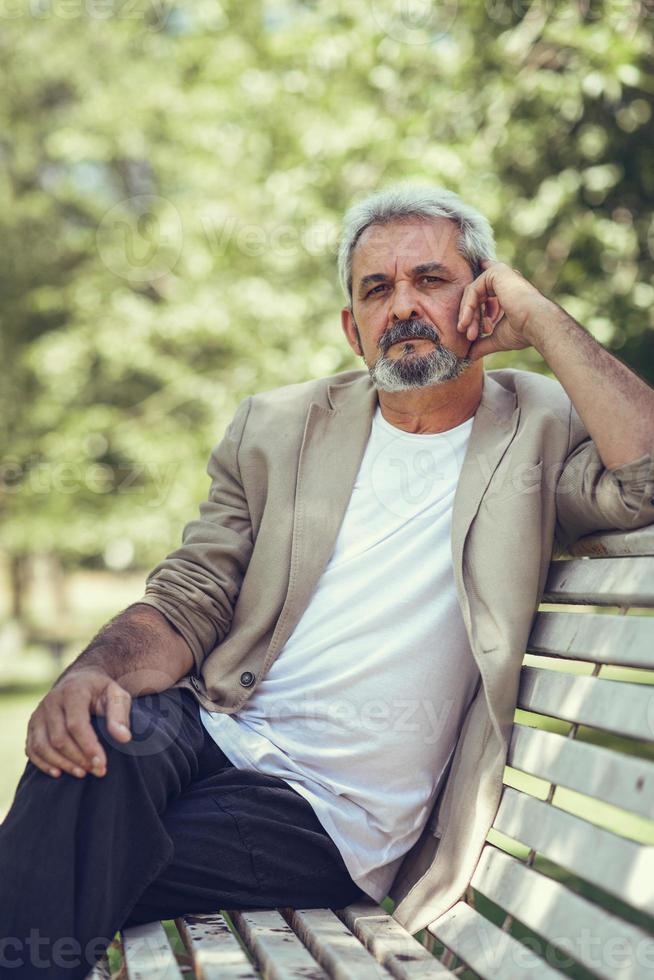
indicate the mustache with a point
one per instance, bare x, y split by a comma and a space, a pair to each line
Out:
406, 329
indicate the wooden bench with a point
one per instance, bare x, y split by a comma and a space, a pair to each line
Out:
565, 883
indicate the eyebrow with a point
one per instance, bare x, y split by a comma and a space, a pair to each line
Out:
418, 270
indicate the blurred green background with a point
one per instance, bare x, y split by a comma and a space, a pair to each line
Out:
172, 176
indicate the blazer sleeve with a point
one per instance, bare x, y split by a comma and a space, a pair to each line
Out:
196, 586
590, 497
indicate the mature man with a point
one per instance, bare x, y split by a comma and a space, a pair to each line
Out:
313, 698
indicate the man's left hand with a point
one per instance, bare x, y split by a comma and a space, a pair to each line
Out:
519, 301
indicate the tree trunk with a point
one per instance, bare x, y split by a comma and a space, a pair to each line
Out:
18, 585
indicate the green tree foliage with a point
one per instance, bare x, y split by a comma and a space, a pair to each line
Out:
172, 182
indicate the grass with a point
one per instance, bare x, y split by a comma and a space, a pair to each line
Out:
16, 705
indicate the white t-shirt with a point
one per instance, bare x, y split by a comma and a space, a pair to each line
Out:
361, 710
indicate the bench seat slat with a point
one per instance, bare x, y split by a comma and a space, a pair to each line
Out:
101, 970
390, 943
621, 867
625, 781
276, 950
215, 952
486, 949
578, 927
613, 706
148, 955
332, 944
605, 582
623, 640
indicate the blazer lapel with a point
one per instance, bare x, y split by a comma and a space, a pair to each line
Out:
333, 445
493, 429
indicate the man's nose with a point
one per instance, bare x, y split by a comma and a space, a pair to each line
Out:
403, 305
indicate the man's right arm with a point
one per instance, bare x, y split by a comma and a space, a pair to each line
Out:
137, 652
185, 612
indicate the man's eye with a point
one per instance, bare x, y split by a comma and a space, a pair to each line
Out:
382, 285
432, 279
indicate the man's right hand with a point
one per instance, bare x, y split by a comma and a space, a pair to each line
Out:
60, 736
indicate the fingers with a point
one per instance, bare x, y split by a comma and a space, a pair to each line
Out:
480, 326
41, 764
82, 739
51, 762
472, 301
54, 748
70, 730
71, 736
44, 756
117, 703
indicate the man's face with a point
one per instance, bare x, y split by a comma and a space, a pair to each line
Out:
407, 282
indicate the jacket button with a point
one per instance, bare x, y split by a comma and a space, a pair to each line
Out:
247, 678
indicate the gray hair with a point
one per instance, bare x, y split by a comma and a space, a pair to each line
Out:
476, 241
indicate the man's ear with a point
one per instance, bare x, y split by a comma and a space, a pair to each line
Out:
349, 326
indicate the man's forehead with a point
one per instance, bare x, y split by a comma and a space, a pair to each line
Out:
413, 241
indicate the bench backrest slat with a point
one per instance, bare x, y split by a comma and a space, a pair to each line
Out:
602, 582
569, 922
607, 639
491, 953
589, 701
620, 866
622, 780
615, 543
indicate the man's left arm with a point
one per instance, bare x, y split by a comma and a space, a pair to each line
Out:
501, 310
615, 405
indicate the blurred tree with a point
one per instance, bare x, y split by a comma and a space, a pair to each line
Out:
172, 183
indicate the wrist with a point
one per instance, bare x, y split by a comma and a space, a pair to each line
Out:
540, 321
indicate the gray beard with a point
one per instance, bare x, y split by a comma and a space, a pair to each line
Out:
412, 371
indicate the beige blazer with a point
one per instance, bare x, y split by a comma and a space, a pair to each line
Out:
281, 479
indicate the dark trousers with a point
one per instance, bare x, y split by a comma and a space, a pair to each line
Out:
172, 828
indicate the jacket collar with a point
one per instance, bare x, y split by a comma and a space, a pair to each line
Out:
358, 393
